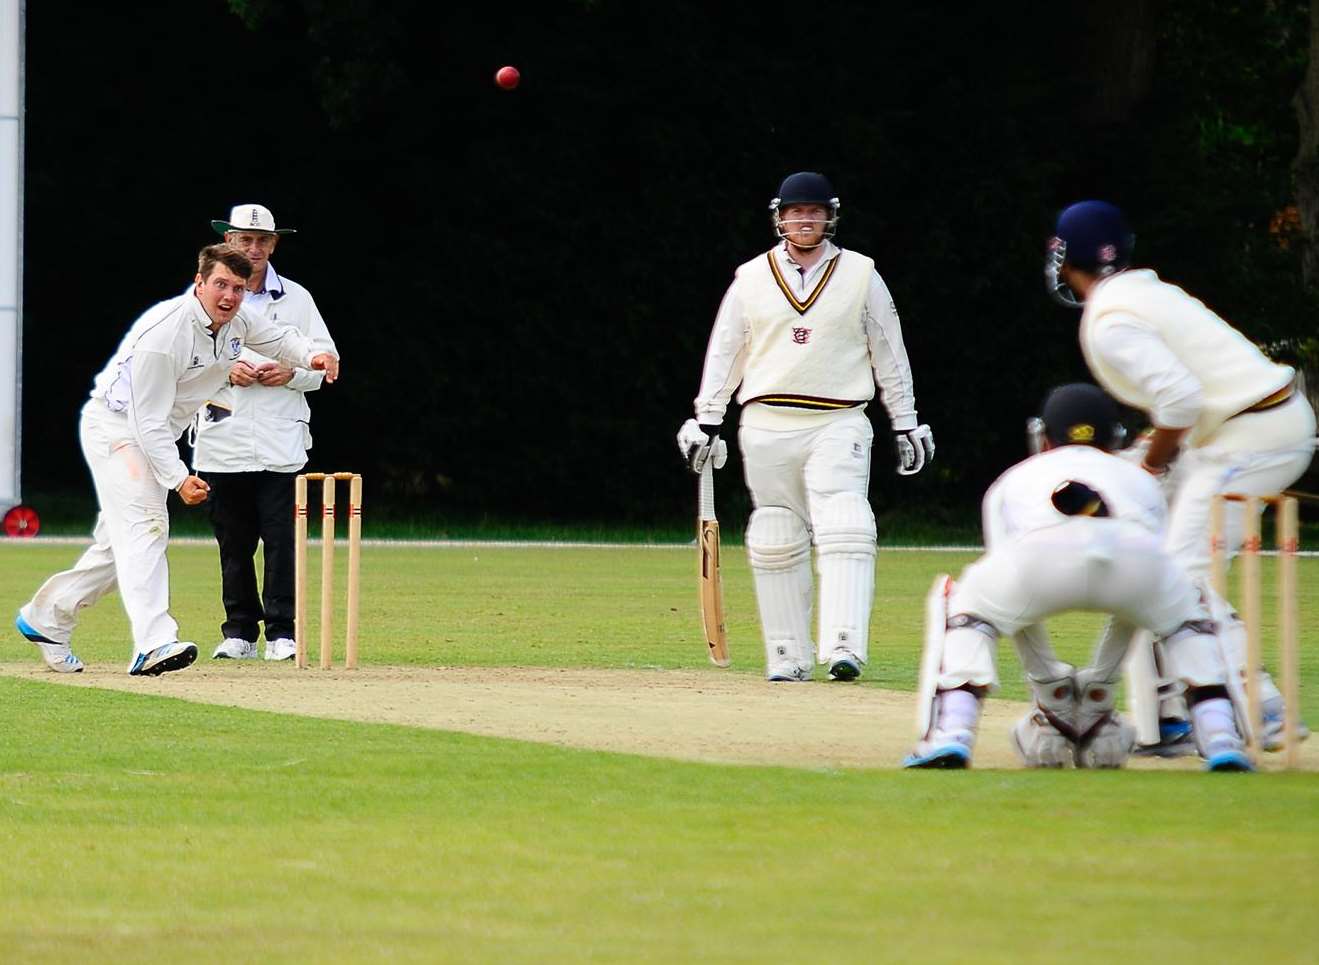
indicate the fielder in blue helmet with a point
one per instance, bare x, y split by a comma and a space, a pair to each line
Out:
1092, 240
1234, 421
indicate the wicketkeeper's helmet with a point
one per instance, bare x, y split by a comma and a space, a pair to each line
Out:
805, 187
1077, 414
1090, 235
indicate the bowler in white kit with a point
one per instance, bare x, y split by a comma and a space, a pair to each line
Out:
807, 330
1072, 528
176, 355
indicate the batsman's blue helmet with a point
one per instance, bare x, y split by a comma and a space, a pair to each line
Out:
1092, 236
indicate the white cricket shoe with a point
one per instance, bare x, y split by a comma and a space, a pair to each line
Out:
163, 659
59, 657
235, 649
281, 649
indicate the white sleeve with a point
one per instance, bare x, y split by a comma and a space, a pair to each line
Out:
725, 360
993, 516
154, 383
306, 380
1144, 358
888, 356
281, 342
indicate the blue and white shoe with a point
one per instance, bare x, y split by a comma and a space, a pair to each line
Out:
171, 656
59, 657
1175, 740
948, 750
1227, 754
953, 756
787, 673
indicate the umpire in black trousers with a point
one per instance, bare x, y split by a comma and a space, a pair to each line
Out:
250, 443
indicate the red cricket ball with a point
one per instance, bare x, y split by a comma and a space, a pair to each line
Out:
507, 77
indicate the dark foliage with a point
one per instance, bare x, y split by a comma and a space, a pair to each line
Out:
522, 282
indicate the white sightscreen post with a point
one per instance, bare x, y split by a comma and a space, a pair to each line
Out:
11, 247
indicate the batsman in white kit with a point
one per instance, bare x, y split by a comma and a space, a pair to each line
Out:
1071, 528
176, 355
1226, 418
807, 330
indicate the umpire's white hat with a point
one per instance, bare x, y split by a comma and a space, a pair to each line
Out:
251, 217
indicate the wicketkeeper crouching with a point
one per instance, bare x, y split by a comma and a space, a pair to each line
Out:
1071, 528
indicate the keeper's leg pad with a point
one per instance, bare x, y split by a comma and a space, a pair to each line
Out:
959, 653
1208, 654
1141, 673
845, 544
779, 549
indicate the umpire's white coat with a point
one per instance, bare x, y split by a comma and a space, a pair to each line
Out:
165, 368
1040, 562
268, 428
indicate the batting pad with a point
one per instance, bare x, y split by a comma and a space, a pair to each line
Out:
845, 539
779, 548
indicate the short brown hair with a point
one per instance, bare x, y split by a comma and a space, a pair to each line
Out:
226, 255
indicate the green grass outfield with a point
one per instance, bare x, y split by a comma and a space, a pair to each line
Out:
139, 828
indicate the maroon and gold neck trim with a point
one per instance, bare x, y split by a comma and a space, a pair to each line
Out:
784, 287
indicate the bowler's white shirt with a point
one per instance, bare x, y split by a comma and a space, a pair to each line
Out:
167, 366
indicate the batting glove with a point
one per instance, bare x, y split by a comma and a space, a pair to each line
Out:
915, 448
699, 443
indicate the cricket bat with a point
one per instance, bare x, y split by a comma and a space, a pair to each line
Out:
712, 589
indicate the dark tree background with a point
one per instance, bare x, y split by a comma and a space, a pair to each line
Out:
522, 283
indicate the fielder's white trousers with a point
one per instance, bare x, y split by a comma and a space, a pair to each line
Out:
1095, 564
130, 538
1256, 454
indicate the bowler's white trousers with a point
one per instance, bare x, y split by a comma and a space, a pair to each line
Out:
130, 538
1104, 565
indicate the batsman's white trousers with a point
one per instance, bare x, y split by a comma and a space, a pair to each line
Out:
130, 538
1102, 565
820, 475
797, 469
